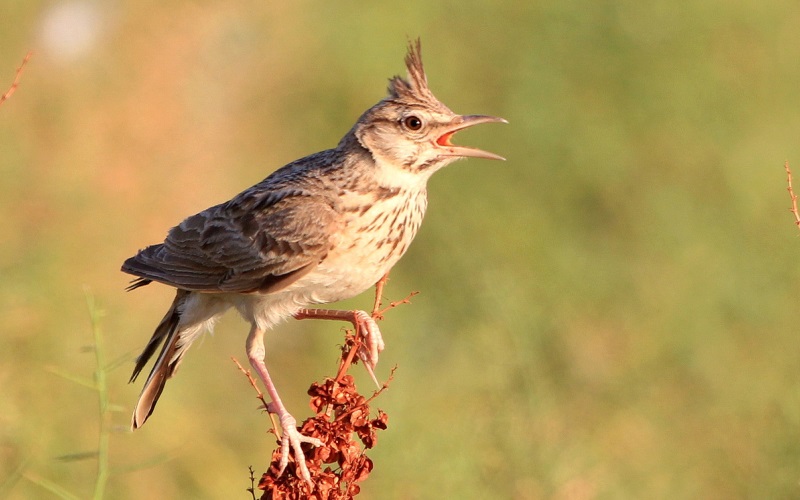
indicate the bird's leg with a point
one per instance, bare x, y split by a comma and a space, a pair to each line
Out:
291, 439
365, 327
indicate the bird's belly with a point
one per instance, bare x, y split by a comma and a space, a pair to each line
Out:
367, 248
342, 276
369, 243
353, 266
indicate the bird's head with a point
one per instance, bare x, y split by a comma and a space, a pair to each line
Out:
411, 129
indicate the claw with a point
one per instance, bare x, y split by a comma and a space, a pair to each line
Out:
291, 439
362, 355
368, 329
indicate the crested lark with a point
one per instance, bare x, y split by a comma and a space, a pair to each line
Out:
320, 229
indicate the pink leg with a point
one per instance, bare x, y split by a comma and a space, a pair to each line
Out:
365, 327
291, 438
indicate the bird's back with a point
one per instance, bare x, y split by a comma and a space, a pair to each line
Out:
331, 224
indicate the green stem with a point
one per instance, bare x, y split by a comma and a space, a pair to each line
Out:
101, 386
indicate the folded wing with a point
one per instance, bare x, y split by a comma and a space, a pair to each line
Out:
261, 241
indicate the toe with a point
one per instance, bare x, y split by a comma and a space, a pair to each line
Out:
291, 442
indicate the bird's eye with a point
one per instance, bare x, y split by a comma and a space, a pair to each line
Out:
412, 122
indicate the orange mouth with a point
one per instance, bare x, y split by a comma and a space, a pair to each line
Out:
445, 139
460, 123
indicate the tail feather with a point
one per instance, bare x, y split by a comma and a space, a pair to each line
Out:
138, 282
167, 332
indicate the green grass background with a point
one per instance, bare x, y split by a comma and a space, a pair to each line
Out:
611, 313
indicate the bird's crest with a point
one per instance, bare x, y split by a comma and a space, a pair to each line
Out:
415, 88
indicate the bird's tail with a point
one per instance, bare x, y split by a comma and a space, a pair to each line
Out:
167, 332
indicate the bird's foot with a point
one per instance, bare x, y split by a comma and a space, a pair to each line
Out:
367, 328
291, 441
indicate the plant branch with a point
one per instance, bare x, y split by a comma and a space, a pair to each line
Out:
791, 194
101, 386
260, 396
379, 294
394, 304
15, 83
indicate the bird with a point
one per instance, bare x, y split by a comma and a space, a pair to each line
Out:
320, 229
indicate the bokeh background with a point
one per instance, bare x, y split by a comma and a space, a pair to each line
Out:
611, 313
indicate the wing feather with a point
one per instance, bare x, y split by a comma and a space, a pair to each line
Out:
261, 241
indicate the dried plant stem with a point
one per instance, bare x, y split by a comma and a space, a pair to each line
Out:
252, 488
345, 363
377, 312
376, 306
15, 83
260, 396
791, 194
392, 305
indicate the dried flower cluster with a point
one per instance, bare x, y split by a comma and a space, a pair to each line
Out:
340, 464
341, 415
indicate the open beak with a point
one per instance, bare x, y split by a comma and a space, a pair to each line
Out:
460, 123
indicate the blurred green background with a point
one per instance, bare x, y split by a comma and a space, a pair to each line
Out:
611, 313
